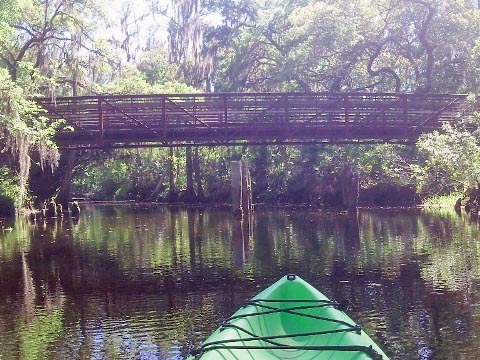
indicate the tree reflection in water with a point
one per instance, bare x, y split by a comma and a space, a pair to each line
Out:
154, 281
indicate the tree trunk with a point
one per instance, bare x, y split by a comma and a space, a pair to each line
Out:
198, 176
6, 158
157, 189
350, 189
64, 194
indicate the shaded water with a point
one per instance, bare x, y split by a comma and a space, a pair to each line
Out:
151, 282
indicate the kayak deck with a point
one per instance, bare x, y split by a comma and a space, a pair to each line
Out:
289, 320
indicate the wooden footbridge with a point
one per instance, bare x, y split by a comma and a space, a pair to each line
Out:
255, 118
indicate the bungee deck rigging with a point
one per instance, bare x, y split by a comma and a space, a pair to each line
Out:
266, 327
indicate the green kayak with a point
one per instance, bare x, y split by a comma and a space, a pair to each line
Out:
289, 320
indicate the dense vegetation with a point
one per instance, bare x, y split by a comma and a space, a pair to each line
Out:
73, 47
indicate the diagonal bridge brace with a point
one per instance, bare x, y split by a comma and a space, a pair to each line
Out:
130, 117
194, 117
434, 117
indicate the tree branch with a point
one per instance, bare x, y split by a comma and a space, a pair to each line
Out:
383, 70
429, 47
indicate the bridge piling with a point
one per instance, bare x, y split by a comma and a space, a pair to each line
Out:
241, 189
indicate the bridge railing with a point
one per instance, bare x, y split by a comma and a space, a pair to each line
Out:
246, 116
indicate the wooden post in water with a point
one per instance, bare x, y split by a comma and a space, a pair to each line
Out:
242, 207
241, 189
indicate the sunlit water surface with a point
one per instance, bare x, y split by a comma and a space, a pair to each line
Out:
150, 282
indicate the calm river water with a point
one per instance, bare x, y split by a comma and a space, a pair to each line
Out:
150, 282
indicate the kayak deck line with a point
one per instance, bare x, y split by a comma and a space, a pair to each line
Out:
369, 350
224, 344
270, 338
356, 329
276, 325
291, 310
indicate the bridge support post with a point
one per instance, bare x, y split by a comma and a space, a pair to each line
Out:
241, 189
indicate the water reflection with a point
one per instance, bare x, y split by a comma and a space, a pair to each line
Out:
151, 282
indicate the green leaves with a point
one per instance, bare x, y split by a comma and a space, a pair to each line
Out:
452, 161
24, 130
354, 45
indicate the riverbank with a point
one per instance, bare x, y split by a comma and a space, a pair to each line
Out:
440, 202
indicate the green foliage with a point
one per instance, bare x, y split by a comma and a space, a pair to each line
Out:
40, 333
452, 161
9, 192
446, 201
105, 180
155, 67
68, 47
132, 80
362, 45
25, 129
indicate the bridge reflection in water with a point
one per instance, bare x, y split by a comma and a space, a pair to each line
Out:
256, 118
151, 282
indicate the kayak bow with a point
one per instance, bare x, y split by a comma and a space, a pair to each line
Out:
289, 320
